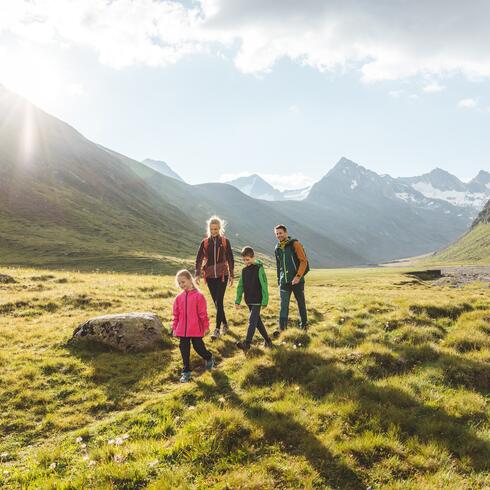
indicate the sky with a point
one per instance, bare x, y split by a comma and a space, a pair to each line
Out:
222, 88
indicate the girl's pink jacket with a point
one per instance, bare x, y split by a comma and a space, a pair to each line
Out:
190, 314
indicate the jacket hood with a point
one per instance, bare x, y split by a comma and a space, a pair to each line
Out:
287, 241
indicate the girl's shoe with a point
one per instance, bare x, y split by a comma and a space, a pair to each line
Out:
186, 377
210, 363
245, 346
215, 334
224, 329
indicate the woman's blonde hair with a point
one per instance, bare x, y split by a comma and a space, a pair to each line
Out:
215, 220
185, 273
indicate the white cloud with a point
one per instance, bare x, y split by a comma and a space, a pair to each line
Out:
395, 40
396, 93
433, 87
467, 103
294, 109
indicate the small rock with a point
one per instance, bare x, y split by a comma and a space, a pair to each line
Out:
79, 439
52, 466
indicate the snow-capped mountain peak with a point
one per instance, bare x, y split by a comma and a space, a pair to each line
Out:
257, 187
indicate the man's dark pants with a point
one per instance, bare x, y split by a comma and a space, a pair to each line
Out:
299, 293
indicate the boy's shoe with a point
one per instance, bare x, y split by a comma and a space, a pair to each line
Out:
215, 334
268, 344
210, 363
224, 329
186, 377
245, 346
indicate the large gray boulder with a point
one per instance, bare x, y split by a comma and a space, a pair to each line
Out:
127, 332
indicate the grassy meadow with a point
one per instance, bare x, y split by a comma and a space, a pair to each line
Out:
388, 390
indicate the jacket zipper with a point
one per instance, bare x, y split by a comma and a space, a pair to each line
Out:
284, 261
215, 258
185, 330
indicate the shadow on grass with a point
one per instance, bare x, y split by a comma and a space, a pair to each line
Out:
379, 408
293, 437
119, 373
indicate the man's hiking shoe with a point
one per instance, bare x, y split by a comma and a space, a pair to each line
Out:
224, 329
210, 363
215, 334
268, 344
186, 377
302, 327
245, 346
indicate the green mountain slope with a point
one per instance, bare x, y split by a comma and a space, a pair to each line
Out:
64, 201
473, 247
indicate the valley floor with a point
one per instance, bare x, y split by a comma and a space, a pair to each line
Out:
390, 389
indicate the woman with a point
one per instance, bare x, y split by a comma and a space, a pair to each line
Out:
215, 264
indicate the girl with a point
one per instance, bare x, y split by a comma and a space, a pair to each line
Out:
190, 322
215, 263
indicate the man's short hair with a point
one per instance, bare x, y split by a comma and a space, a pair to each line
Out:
248, 252
280, 227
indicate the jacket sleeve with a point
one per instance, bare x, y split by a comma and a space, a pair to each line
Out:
175, 321
265, 288
199, 259
278, 267
239, 291
229, 258
303, 261
202, 312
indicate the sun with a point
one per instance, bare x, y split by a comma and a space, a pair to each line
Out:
31, 74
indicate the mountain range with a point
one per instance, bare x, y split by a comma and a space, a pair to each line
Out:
436, 185
66, 201
257, 187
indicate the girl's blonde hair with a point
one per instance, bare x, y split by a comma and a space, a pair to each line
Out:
215, 220
185, 273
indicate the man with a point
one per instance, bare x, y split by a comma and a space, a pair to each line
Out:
292, 265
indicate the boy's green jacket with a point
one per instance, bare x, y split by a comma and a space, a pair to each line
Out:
256, 293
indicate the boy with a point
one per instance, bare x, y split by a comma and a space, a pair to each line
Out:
253, 284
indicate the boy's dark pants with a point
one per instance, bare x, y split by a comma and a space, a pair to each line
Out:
199, 347
299, 293
255, 322
217, 288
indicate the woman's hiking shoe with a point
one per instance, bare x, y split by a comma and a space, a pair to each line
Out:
215, 334
268, 344
245, 346
186, 377
210, 363
224, 329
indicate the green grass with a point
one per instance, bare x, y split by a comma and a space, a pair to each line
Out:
472, 248
390, 389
